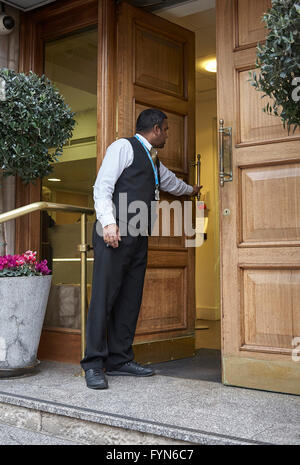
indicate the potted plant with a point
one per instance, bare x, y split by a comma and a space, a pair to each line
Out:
24, 290
279, 62
35, 123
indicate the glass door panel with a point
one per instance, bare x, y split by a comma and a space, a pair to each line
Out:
71, 64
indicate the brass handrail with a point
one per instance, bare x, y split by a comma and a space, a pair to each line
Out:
83, 247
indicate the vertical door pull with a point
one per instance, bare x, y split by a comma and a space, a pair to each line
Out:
198, 164
225, 156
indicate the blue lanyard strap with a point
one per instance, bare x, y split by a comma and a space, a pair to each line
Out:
150, 158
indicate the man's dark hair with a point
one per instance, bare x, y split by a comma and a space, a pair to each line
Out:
148, 119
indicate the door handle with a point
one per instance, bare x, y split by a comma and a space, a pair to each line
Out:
198, 164
225, 176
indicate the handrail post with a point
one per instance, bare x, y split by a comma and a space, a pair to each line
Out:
83, 281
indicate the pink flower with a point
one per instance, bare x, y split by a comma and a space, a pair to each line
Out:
42, 267
24, 263
29, 256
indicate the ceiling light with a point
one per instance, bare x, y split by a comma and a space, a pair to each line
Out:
210, 65
54, 179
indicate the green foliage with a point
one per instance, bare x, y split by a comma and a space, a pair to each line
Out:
24, 270
33, 119
279, 62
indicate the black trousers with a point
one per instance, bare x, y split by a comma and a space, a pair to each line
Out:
117, 289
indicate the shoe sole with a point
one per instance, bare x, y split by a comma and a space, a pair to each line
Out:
118, 373
97, 387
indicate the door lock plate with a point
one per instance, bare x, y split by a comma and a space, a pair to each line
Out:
226, 212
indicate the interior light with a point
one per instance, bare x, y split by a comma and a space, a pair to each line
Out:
54, 179
210, 65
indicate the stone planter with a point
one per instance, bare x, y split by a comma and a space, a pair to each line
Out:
23, 302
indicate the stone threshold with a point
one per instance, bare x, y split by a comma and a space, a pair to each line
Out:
152, 410
88, 426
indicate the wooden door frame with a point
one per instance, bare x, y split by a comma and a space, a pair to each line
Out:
51, 22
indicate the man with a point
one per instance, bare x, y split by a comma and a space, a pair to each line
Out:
129, 169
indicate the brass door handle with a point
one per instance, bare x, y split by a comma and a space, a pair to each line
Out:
198, 164
225, 132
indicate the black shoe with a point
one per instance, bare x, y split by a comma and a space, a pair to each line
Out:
131, 369
95, 379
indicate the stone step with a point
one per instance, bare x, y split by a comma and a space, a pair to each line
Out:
166, 410
76, 425
12, 435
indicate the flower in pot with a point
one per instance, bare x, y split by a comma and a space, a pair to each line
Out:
35, 124
24, 290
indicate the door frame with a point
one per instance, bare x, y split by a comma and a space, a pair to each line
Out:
49, 23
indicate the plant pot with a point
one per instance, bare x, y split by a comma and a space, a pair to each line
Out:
23, 302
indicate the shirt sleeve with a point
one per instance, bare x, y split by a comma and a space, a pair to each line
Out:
119, 155
170, 183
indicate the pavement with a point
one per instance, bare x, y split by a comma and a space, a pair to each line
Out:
153, 409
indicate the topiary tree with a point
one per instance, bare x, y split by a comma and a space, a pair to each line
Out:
33, 119
35, 123
279, 62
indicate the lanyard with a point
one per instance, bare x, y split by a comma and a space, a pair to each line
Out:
150, 158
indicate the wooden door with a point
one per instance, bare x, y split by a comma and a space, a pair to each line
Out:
260, 217
156, 68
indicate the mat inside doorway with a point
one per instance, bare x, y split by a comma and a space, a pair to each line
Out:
205, 366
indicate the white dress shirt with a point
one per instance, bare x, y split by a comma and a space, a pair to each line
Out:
119, 155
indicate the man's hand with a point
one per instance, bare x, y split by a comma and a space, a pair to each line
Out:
111, 235
196, 190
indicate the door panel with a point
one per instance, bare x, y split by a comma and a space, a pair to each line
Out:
248, 21
260, 252
261, 222
166, 57
156, 68
173, 155
255, 125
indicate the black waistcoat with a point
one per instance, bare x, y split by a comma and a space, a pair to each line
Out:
138, 182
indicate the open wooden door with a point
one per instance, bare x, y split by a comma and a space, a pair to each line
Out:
260, 218
156, 68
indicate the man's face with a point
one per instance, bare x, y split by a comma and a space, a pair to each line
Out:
160, 135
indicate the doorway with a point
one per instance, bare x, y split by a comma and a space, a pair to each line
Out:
202, 21
167, 324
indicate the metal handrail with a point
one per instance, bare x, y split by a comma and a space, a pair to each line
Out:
83, 247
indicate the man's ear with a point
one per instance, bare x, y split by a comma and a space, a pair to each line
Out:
156, 129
